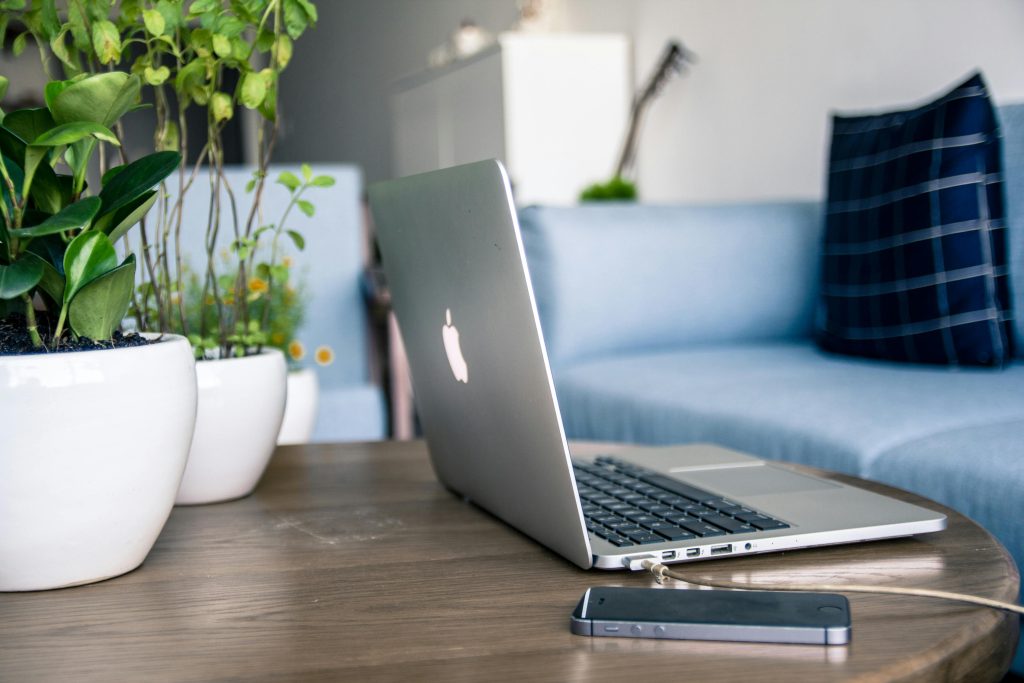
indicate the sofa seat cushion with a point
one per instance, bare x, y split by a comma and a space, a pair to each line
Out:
781, 400
978, 470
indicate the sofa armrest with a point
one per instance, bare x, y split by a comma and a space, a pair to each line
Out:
610, 278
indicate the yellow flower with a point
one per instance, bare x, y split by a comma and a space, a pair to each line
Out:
257, 284
324, 355
287, 261
210, 301
277, 338
296, 351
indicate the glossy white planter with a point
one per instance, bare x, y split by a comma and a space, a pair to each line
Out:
300, 408
241, 403
93, 448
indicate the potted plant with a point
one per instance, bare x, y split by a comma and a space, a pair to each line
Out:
96, 425
215, 56
285, 307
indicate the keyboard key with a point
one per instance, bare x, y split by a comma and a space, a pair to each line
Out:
674, 533
678, 518
619, 541
702, 529
763, 522
733, 526
661, 510
644, 538
619, 507
678, 487
624, 527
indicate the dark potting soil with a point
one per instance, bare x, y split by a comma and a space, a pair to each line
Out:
14, 339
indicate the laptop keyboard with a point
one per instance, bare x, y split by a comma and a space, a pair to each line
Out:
630, 505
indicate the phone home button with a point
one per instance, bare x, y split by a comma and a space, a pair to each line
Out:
636, 629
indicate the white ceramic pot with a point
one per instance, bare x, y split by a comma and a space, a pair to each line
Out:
94, 444
300, 407
241, 403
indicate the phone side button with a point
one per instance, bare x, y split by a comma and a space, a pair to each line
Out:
659, 631
611, 628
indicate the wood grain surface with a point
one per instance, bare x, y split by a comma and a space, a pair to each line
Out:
352, 563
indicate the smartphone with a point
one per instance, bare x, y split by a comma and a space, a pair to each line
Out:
690, 614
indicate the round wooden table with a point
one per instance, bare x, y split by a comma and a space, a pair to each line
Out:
350, 562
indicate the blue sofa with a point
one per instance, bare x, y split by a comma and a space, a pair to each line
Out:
674, 324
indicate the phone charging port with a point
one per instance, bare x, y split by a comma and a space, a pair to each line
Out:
668, 555
721, 549
693, 552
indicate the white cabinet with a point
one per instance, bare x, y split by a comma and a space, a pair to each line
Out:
552, 107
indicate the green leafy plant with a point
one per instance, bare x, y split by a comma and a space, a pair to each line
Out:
188, 53
273, 304
57, 245
616, 189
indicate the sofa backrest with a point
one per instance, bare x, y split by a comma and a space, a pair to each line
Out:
330, 267
1012, 119
616, 277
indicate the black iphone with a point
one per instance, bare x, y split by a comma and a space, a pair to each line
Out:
690, 614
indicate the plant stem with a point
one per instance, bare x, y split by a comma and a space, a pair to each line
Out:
59, 330
30, 316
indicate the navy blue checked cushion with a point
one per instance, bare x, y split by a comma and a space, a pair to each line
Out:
914, 256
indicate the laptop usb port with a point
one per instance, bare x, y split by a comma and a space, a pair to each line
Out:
668, 555
693, 552
721, 549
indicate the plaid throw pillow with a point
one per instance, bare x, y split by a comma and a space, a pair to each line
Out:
914, 258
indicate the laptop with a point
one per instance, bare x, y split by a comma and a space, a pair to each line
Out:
454, 261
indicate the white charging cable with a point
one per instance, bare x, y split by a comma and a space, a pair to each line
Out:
661, 573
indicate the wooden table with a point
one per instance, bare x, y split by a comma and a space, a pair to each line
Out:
352, 563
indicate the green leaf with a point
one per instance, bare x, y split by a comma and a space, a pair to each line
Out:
52, 282
220, 105
322, 181
4, 83
136, 179
154, 21
74, 217
51, 249
156, 76
253, 90
28, 124
288, 179
125, 218
100, 306
283, 50
54, 88
89, 256
70, 133
251, 185
297, 239
19, 44
59, 47
221, 45
269, 107
307, 172
19, 277
306, 207
106, 41
102, 98
202, 6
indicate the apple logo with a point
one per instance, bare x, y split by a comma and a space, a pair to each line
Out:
450, 336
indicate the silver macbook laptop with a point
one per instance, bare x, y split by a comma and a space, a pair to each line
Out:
461, 291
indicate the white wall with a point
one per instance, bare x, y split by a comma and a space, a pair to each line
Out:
749, 121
